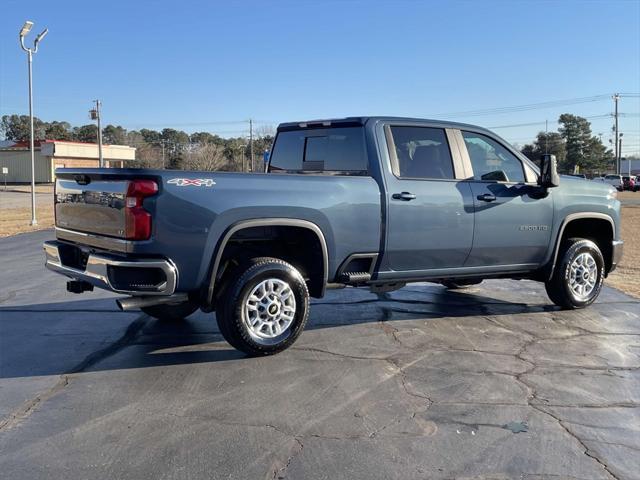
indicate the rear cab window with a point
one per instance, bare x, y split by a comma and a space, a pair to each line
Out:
421, 153
330, 151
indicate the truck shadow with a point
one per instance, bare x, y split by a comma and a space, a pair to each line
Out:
92, 335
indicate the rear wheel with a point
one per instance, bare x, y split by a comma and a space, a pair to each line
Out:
264, 306
578, 276
170, 313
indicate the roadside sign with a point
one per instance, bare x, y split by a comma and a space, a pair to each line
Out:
5, 171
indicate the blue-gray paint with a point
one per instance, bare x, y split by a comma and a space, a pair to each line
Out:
444, 231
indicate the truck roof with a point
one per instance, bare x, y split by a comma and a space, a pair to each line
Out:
354, 121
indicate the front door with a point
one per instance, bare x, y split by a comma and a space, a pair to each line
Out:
429, 212
513, 218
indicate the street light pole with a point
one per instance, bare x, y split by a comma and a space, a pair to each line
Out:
34, 221
26, 28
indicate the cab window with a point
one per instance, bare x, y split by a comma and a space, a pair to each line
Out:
491, 161
422, 152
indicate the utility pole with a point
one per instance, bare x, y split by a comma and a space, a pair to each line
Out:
95, 115
251, 142
616, 97
163, 164
26, 28
620, 157
546, 136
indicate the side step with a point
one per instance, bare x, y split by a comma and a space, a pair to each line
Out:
355, 277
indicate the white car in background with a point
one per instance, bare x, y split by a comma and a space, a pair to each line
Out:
613, 180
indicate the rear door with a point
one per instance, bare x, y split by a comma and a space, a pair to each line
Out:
429, 208
512, 219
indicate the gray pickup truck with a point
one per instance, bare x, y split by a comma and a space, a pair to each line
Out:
362, 201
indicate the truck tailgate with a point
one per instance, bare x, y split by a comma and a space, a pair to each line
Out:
110, 206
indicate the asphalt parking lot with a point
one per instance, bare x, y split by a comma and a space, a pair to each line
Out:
418, 383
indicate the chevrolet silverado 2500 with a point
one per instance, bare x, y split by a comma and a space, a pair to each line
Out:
361, 201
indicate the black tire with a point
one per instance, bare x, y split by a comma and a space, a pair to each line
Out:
559, 286
171, 313
233, 307
460, 284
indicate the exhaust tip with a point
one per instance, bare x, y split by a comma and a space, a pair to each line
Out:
136, 303
129, 303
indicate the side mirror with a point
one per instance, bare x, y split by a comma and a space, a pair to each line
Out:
548, 171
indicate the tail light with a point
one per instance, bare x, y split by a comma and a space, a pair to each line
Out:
137, 219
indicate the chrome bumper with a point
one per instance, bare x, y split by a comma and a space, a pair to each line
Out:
617, 246
98, 266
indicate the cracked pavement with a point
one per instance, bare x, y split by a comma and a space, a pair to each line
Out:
420, 383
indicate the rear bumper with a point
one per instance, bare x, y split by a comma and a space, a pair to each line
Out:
617, 246
131, 276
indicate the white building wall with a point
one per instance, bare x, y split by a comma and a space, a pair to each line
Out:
19, 164
635, 167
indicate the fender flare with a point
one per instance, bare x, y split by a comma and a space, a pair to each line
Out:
263, 222
568, 219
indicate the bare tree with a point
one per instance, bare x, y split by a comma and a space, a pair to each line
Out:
207, 157
148, 156
265, 130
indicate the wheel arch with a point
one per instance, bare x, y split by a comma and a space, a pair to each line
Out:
215, 263
578, 222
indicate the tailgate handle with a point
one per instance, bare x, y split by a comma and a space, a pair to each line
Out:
82, 179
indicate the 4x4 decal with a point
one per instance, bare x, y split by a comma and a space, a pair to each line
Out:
192, 182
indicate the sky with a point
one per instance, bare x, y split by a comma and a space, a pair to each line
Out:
210, 66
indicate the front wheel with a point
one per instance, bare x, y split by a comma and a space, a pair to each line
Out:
264, 307
578, 276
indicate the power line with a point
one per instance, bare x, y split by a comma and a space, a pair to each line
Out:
543, 122
513, 125
195, 124
526, 107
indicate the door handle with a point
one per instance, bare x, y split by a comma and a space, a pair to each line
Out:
487, 197
406, 196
